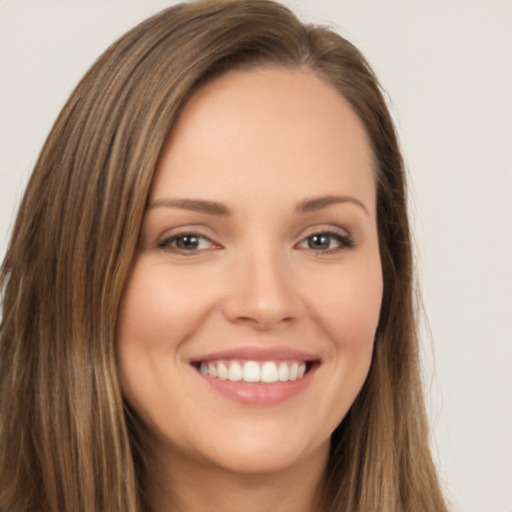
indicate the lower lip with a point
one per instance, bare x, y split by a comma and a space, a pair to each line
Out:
258, 393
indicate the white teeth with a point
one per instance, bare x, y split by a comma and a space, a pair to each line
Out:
212, 370
283, 372
253, 371
269, 372
222, 371
235, 372
294, 368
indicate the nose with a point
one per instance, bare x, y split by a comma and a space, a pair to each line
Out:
263, 294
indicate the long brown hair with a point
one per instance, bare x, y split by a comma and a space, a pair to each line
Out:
67, 441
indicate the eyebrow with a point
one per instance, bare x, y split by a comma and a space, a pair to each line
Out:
319, 203
196, 205
214, 208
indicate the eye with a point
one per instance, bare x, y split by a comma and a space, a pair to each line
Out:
187, 243
326, 242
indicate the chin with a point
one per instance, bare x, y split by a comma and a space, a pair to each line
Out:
259, 454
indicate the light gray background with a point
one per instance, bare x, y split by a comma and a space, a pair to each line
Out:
447, 66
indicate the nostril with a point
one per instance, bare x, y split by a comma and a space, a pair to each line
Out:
263, 322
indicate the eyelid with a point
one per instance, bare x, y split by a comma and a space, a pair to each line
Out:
164, 241
344, 237
325, 229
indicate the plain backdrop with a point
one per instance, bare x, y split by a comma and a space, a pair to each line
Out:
447, 68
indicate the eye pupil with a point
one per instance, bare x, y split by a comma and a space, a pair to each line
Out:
321, 241
187, 242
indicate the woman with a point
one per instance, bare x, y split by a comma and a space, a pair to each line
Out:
208, 291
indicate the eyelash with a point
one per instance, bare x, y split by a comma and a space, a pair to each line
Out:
167, 243
344, 243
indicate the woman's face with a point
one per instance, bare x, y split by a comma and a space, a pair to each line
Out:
247, 326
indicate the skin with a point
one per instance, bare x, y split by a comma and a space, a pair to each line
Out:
259, 143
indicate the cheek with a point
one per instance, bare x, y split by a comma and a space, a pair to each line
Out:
348, 305
157, 309
158, 312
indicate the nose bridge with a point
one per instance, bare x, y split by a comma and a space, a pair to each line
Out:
263, 291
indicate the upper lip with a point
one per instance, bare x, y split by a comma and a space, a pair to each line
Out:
257, 354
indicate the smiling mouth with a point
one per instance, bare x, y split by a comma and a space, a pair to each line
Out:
266, 372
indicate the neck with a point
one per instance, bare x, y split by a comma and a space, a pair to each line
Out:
174, 484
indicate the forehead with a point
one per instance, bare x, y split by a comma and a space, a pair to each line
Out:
266, 130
